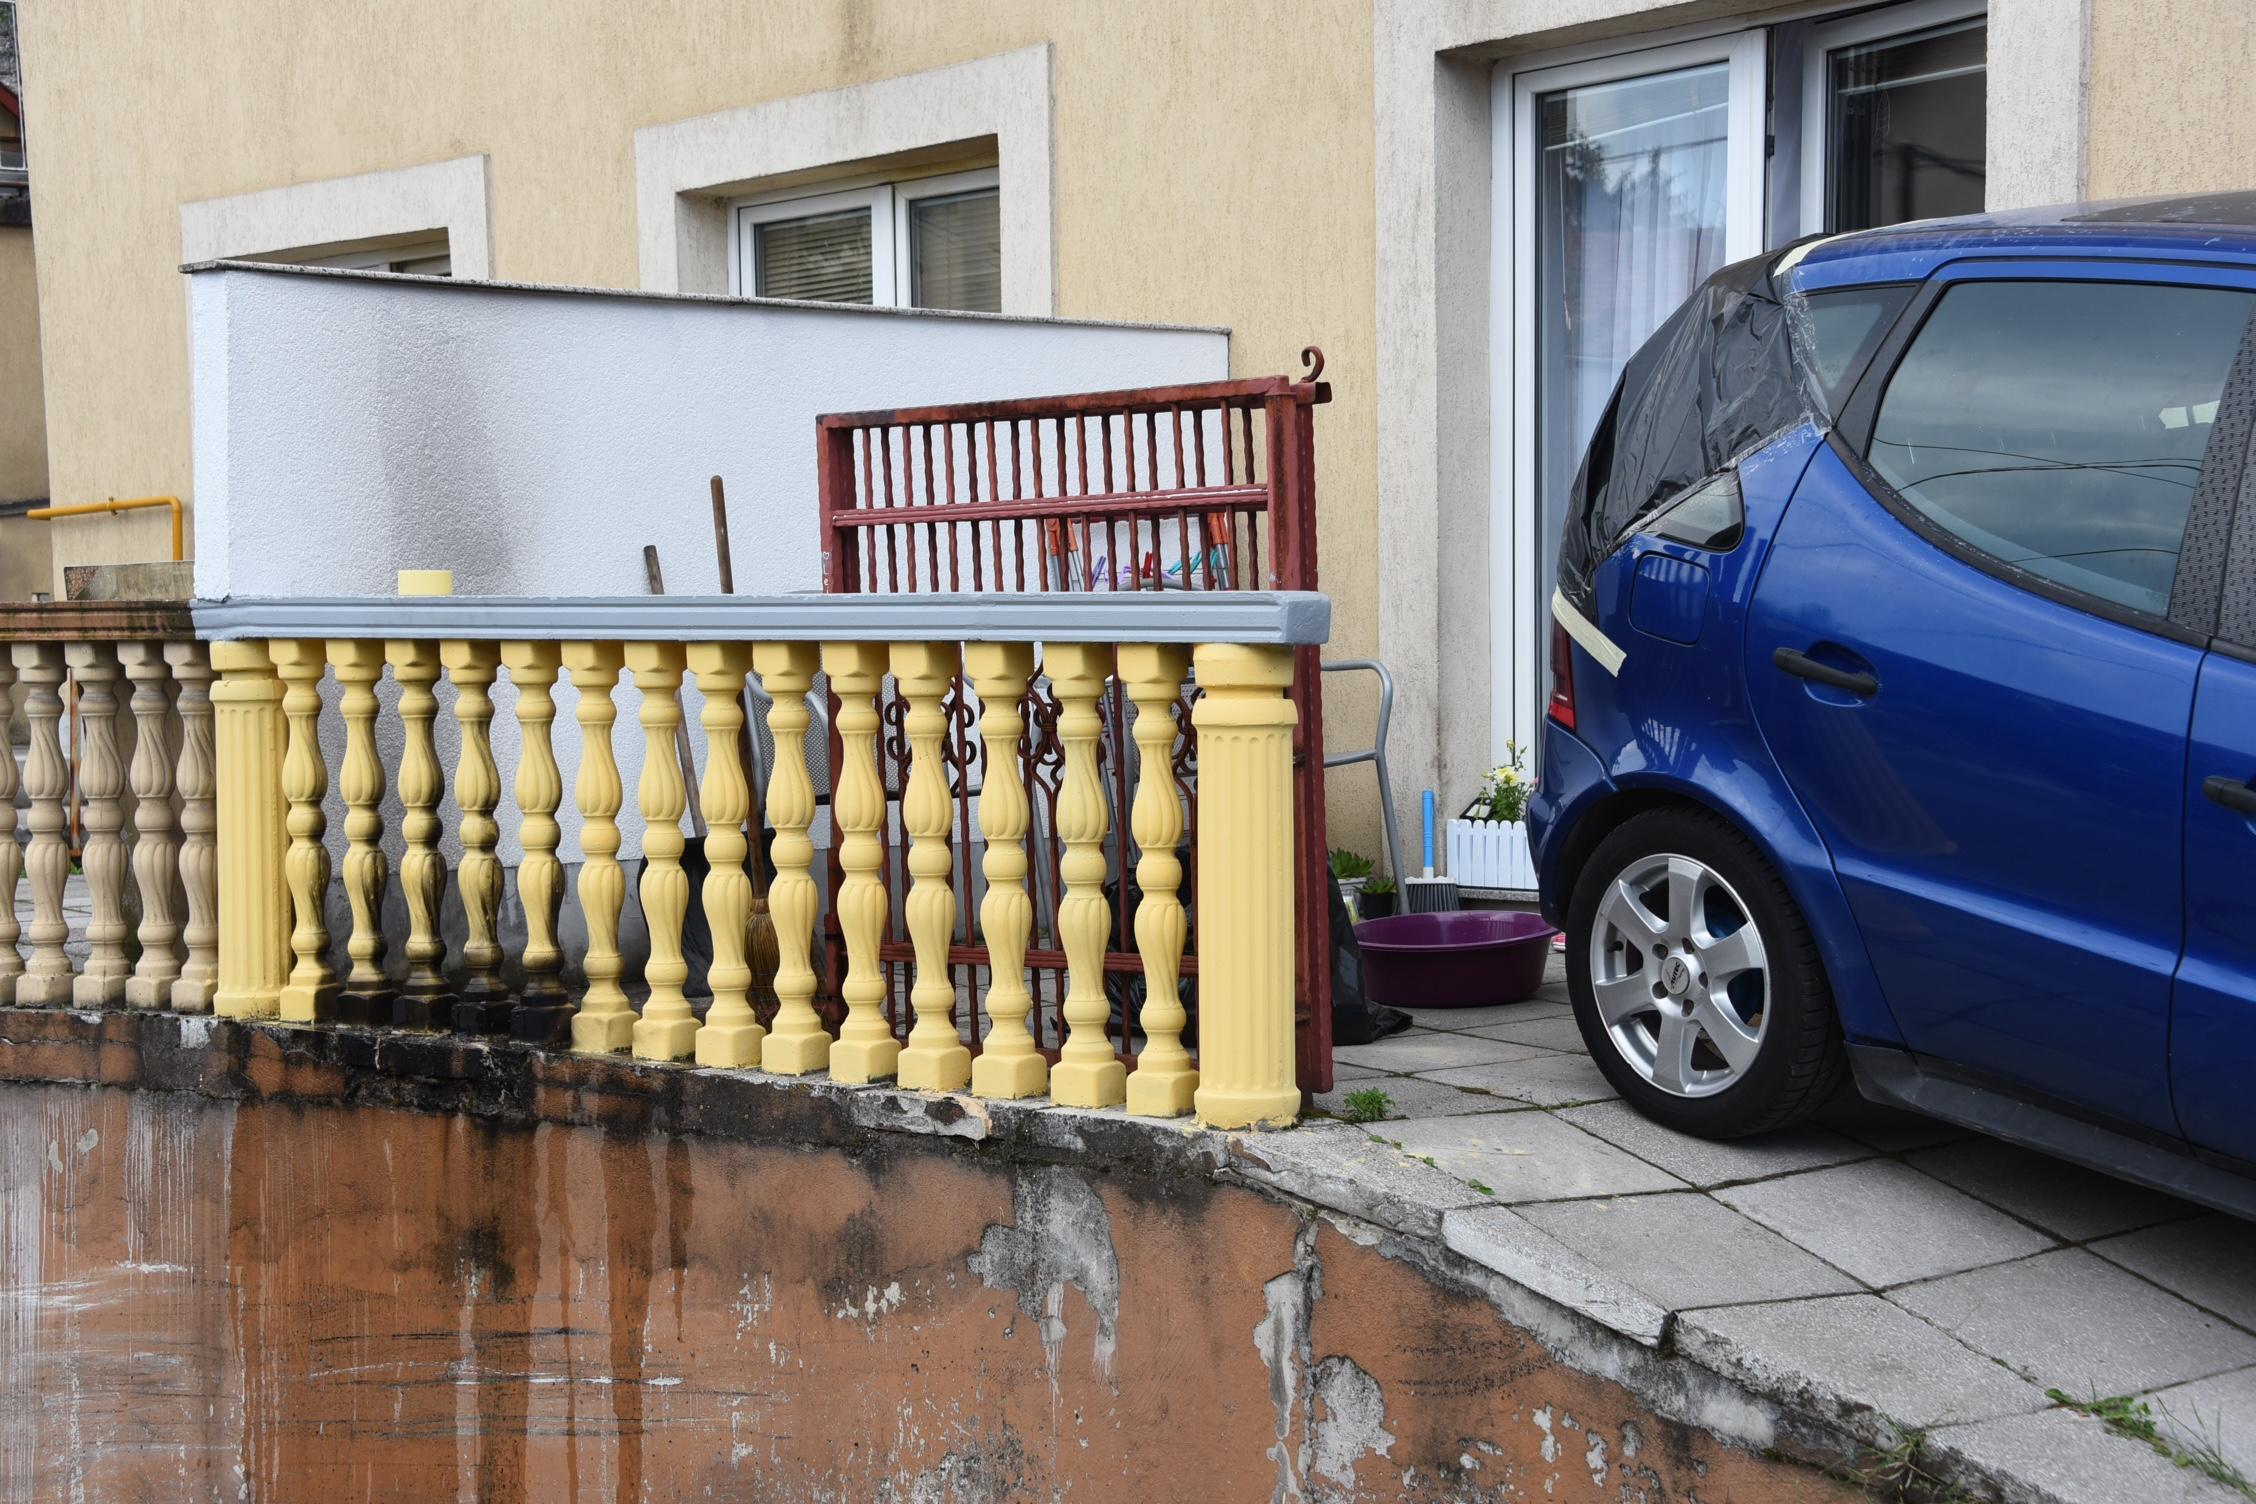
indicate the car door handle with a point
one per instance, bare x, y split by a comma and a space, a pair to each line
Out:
2230, 792
1803, 666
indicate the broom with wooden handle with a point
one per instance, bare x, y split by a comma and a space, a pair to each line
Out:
1429, 894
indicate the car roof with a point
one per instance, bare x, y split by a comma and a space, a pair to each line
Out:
2206, 227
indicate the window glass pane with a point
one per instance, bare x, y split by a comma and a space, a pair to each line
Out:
1843, 327
1906, 127
956, 251
1629, 219
824, 258
2060, 426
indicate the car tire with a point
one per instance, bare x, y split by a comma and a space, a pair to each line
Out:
1702, 1030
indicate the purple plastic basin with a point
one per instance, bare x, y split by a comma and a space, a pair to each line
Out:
1466, 960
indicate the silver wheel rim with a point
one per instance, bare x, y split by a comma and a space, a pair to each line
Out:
1679, 976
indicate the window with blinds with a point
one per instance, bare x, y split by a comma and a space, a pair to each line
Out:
956, 251
823, 258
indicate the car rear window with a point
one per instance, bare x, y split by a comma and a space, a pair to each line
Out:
2059, 426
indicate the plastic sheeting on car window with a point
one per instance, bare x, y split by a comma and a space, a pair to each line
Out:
1724, 375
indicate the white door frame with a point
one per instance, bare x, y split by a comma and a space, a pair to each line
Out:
1831, 37
1516, 643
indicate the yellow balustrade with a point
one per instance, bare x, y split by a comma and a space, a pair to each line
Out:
156, 850
254, 902
197, 778
1009, 1065
866, 1049
482, 1004
310, 993
935, 1058
797, 1043
667, 1029
1245, 888
544, 1008
101, 783
11, 853
732, 1034
422, 1001
1164, 1080
1088, 1073
604, 1022
365, 996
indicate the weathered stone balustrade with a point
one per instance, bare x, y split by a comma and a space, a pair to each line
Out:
250, 847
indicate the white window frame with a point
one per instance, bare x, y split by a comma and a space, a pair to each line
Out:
1855, 31
388, 258
887, 201
1517, 644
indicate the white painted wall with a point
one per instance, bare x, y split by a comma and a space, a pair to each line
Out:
351, 424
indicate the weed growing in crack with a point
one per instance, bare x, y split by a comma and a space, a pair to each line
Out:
2142, 1420
1367, 1105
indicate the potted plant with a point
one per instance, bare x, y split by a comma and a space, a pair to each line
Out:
1488, 845
1351, 870
1376, 901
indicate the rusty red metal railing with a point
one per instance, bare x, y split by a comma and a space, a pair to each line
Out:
1200, 487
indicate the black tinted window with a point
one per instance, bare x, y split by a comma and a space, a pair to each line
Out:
1843, 327
2059, 426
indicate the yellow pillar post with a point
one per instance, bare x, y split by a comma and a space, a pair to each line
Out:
605, 1022
798, 1043
254, 903
483, 1004
935, 1059
732, 1034
422, 1001
1245, 887
667, 1029
866, 1049
310, 994
1088, 1072
366, 997
1008, 1063
544, 1009
1164, 1080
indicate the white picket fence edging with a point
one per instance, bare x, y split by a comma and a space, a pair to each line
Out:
1490, 854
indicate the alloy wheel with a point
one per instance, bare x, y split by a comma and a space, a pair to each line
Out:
1679, 975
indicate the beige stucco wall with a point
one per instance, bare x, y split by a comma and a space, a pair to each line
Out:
24, 565
1212, 165
2173, 97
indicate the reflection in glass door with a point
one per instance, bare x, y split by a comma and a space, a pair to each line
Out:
1634, 178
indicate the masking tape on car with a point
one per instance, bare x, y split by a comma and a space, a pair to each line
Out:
1586, 634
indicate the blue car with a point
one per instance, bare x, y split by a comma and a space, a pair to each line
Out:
1902, 692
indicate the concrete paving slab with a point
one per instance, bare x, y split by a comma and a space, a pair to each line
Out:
2072, 1321
1558, 1032
1855, 1361
1703, 1162
1529, 1156
2064, 1199
1545, 1079
2216, 1415
1423, 1050
1465, 1020
1416, 1097
1885, 1222
1498, 1239
1885, 1128
1342, 1071
1687, 1250
2061, 1457
2210, 1261
1341, 1166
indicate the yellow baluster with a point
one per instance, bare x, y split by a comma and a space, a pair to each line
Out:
935, 1059
254, 903
101, 780
366, 998
798, 1043
544, 1009
422, 1001
1245, 888
11, 853
1088, 1073
1008, 1063
483, 1004
1162, 1084
667, 1029
155, 848
866, 1049
732, 1034
198, 781
310, 994
604, 1022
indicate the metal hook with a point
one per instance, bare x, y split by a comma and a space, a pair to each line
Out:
1312, 358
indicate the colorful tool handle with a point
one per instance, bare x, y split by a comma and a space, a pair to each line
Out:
1426, 800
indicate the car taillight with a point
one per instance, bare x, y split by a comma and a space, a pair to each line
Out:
1562, 706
